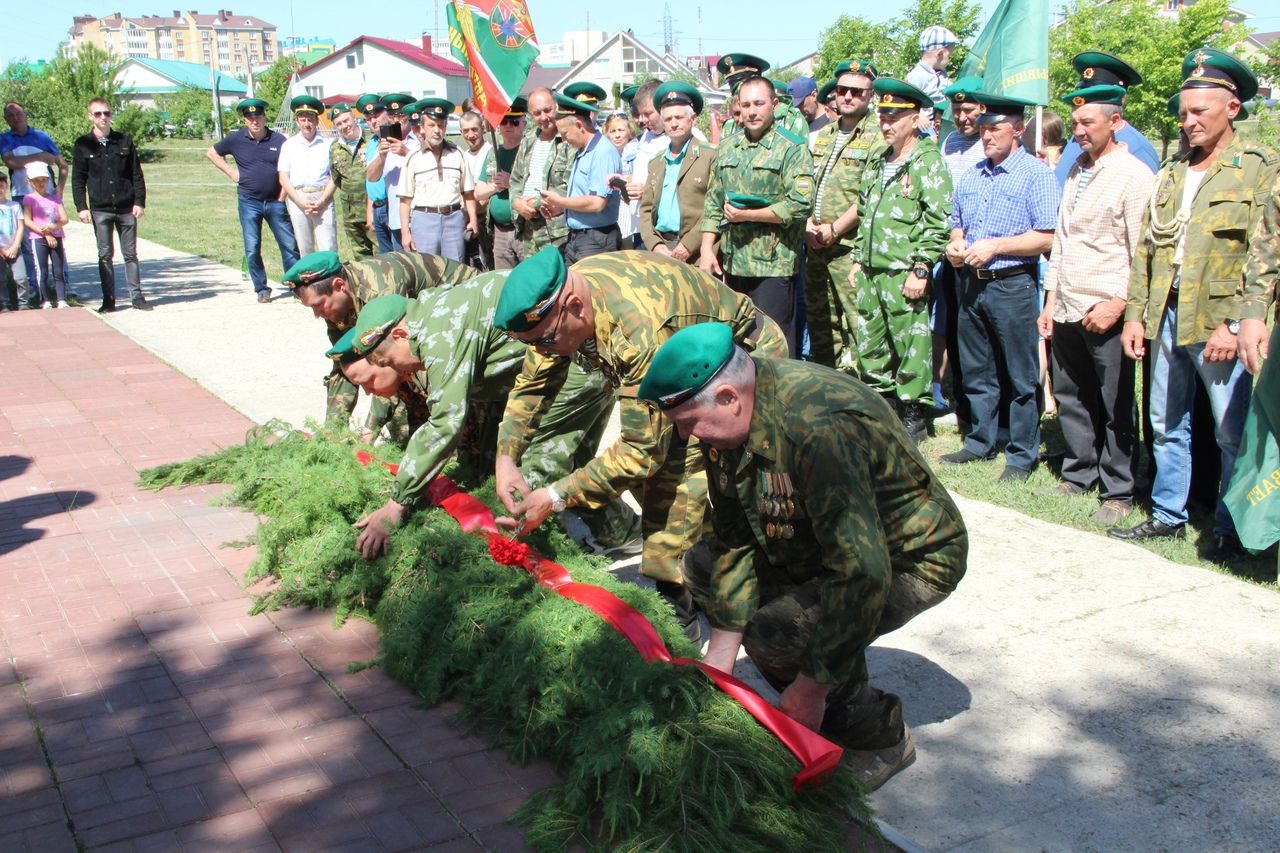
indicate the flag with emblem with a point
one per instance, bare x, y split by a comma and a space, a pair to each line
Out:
1253, 496
498, 45
1011, 54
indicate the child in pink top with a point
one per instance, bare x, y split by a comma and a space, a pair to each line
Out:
44, 216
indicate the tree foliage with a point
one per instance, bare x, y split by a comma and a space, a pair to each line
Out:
894, 45
272, 85
56, 96
1153, 44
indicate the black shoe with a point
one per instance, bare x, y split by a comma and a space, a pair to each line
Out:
1152, 528
679, 597
140, 303
1227, 550
914, 420
106, 307
963, 457
1010, 474
264, 296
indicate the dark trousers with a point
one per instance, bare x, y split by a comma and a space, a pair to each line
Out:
51, 264
105, 226
775, 296
252, 213
585, 242
997, 329
1094, 385
388, 240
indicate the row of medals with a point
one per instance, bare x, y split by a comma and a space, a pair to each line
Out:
775, 503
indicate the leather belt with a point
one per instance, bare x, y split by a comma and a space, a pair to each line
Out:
382, 203
309, 189
995, 275
448, 208
603, 229
504, 226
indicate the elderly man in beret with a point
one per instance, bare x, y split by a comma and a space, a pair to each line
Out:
675, 188
1201, 285
256, 150
830, 531
446, 357
610, 313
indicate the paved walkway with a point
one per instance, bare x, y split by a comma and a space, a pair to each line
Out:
1075, 693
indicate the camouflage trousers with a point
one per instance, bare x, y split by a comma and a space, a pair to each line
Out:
673, 500
566, 439
535, 235
777, 639
894, 350
830, 305
351, 223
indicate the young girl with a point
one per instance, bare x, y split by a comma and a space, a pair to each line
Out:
44, 216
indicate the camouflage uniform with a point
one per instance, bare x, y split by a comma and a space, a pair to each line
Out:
347, 169
906, 223
830, 531
537, 233
639, 300
788, 117
828, 294
468, 362
406, 273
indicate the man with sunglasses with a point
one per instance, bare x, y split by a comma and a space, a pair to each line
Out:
109, 191
376, 210
443, 371
841, 151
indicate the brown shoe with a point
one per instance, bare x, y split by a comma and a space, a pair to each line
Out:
874, 767
1112, 512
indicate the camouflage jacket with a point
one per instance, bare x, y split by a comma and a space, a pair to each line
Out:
555, 177
909, 221
789, 117
827, 487
837, 169
778, 167
639, 300
465, 359
346, 167
1227, 216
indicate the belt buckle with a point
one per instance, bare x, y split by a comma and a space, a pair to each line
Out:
984, 274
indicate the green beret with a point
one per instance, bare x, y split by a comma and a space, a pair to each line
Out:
1105, 93
894, 94
677, 92
370, 103
343, 351
316, 266
781, 92
686, 363
587, 93
1208, 68
629, 94
377, 318
827, 90
998, 108
567, 106
856, 66
436, 108
962, 91
252, 107
306, 104
338, 109
746, 201
530, 290
396, 101
1097, 68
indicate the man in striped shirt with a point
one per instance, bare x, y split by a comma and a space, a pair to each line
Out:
1086, 289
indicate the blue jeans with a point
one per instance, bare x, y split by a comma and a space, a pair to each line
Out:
252, 211
997, 324
1173, 376
388, 240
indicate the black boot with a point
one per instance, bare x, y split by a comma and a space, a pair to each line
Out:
679, 597
915, 420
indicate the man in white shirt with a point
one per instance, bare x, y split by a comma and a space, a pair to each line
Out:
304, 177
436, 189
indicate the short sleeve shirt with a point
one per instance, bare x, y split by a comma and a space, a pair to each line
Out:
10, 216
257, 160
589, 175
429, 180
1016, 196
306, 163
24, 145
43, 210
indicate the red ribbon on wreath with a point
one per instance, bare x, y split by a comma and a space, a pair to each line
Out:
817, 755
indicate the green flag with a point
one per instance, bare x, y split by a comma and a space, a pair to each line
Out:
1011, 54
499, 44
457, 45
1253, 496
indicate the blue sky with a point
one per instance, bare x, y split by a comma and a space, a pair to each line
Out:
42, 24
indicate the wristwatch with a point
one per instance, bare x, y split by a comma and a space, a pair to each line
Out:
1233, 326
557, 502
920, 270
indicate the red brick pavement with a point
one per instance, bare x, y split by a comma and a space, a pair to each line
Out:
141, 707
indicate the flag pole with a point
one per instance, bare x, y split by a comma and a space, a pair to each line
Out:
1039, 128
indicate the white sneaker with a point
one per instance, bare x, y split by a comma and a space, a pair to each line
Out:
64, 304
46, 304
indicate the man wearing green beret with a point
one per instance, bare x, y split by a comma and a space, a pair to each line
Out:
611, 312
841, 151
448, 358
905, 205
830, 531
542, 164
760, 196
304, 177
733, 68
436, 189
256, 151
335, 292
1202, 282
493, 187
347, 160
675, 187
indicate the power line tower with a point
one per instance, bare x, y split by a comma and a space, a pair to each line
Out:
668, 30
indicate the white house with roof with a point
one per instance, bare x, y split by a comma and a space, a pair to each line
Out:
370, 64
624, 59
143, 79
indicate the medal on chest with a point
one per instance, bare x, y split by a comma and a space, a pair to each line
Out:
776, 504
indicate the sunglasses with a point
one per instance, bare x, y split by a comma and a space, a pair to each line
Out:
102, 113
856, 91
512, 120
545, 340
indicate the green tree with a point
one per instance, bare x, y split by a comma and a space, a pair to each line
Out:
56, 96
894, 45
1153, 44
274, 82
188, 112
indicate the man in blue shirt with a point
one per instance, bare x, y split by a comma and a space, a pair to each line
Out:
256, 149
590, 204
1006, 210
1096, 69
375, 115
20, 145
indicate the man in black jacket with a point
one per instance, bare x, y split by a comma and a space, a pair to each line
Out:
109, 191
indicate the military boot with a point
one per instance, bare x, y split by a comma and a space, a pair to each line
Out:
915, 419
